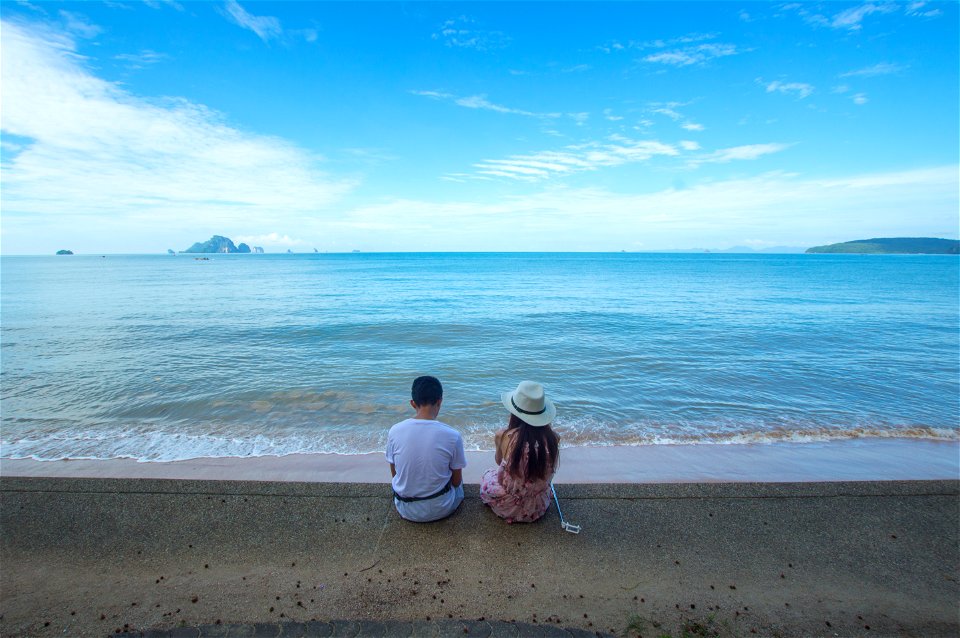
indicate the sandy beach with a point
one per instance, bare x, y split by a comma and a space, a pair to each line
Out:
785, 540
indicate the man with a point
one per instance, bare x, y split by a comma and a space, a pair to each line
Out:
426, 458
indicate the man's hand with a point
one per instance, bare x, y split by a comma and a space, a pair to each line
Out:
456, 477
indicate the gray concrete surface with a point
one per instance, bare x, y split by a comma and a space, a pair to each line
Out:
375, 629
88, 557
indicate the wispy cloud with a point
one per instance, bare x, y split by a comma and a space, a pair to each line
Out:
918, 9
159, 4
800, 89
142, 59
79, 25
734, 153
884, 68
480, 102
860, 99
464, 32
697, 54
670, 109
266, 27
96, 156
853, 18
690, 38
576, 158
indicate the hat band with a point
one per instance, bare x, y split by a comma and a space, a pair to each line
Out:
519, 409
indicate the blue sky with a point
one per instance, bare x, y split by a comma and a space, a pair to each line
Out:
141, 126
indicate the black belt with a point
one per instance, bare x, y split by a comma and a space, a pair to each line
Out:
413, 499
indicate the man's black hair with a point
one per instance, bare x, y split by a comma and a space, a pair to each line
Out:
426, 390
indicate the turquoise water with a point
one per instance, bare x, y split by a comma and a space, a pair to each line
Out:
163, 357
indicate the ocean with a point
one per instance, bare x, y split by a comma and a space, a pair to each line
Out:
161, 358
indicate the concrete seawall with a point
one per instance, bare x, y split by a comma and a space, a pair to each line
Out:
89, 556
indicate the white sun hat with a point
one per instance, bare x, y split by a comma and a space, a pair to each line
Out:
529, 404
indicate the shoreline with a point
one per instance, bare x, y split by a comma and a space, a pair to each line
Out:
828, 461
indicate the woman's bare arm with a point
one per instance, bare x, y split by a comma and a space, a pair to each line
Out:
498, 438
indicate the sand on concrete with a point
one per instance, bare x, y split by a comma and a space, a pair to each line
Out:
85, 557
843, 460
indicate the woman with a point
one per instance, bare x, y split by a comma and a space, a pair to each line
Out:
518, 490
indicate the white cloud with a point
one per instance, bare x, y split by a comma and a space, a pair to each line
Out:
692, 55
917, 9
142, 59
95, 156
480, 102
266, 27
158, 4
843, 88
573, 159
579, 118
271, 240
884, 68
462, 32
745, 152
852, 18
689, 145
667, 110
611, 47
690, 38
801, 89
608, 114
437, 95
860, 99
783, 209
79, 25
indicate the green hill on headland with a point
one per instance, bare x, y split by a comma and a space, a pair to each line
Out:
893, 246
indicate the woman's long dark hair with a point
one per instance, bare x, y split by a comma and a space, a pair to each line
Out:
544, 449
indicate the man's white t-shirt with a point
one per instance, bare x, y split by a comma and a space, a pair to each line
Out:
424, 453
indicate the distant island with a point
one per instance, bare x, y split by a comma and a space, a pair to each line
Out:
218, 244
64, 252
893, 246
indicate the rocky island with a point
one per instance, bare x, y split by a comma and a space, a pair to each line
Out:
64, 252
893, 246
218, 244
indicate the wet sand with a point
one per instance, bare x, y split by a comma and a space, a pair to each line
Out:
854, 460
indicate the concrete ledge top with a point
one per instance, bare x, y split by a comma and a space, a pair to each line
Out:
568, 491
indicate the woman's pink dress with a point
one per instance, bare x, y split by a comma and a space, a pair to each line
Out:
514, 498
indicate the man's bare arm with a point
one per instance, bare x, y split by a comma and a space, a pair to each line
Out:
393, 470
456, 477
